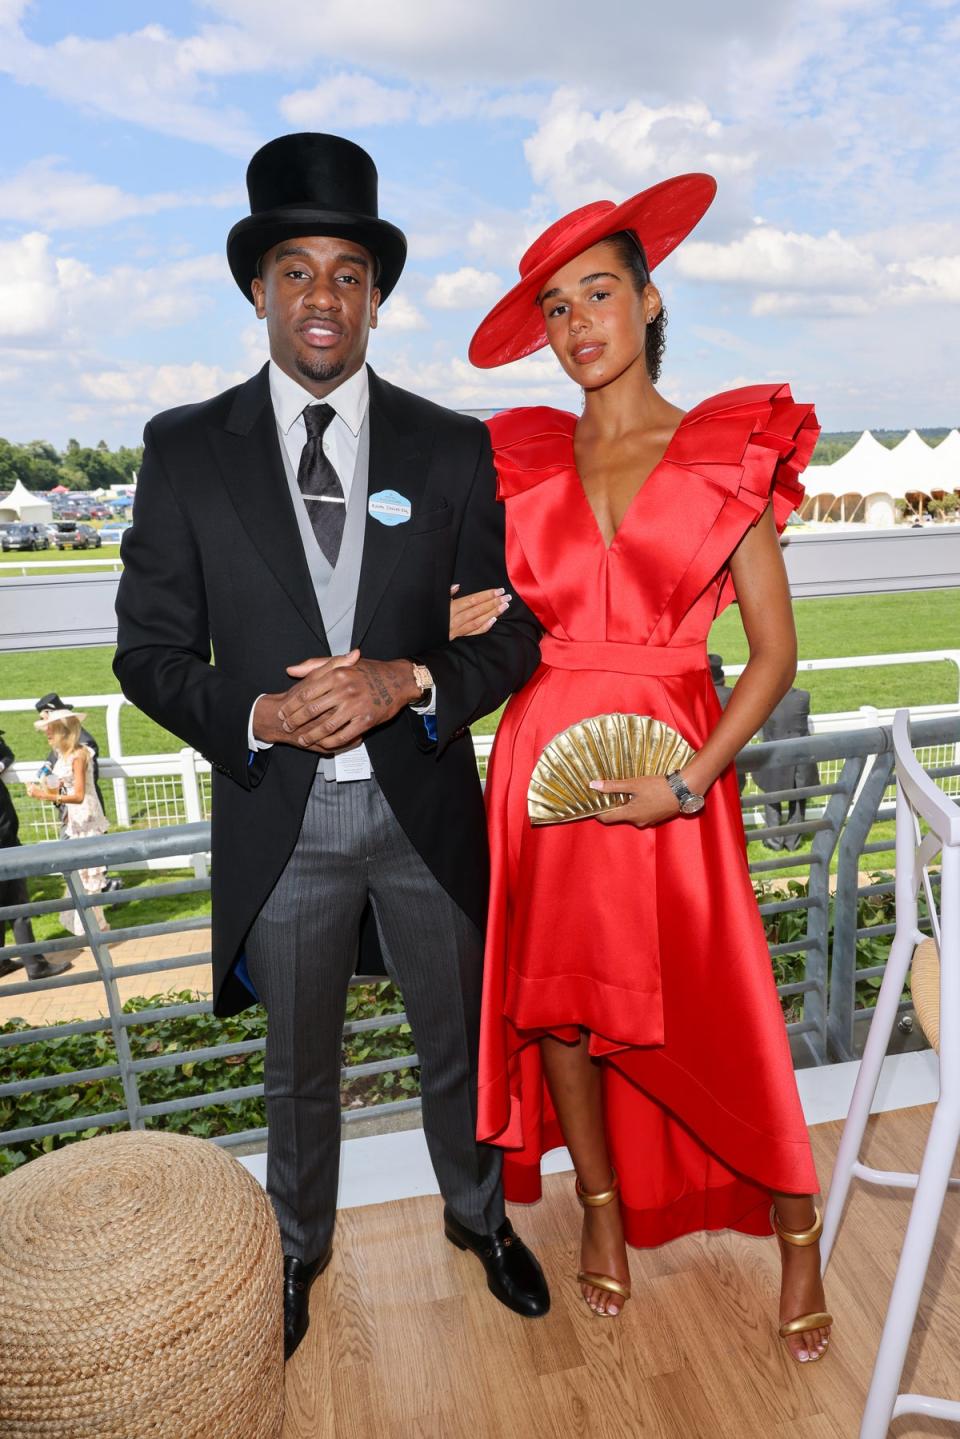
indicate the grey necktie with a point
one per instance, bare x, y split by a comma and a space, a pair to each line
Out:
320, 484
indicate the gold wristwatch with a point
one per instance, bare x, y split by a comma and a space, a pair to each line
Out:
422, 677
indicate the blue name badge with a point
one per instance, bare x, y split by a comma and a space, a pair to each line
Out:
389, 508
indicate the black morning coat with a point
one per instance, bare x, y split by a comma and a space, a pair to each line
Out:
214, 559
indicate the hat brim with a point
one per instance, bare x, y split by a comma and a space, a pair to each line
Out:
662, 216
58, 717
252, 236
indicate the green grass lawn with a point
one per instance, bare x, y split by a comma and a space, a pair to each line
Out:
139, 911
53, 556
72, 672
859, 624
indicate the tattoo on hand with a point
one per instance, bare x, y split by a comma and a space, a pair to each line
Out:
379, 691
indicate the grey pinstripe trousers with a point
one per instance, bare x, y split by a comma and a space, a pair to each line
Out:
301, 953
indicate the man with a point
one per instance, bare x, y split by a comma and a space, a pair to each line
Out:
14, 891
789, 720
309, 525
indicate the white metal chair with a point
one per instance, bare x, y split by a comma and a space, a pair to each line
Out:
918, 799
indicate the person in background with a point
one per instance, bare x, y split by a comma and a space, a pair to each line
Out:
723, 691
789, 720
14, 891
46, 706
70, 784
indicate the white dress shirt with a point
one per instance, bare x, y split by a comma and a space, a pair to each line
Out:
341, 439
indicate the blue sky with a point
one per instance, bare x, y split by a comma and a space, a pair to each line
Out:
831, 257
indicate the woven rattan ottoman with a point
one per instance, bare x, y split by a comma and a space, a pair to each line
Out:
140, 1295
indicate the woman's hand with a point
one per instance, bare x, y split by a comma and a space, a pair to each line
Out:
652, 800
37, 791
475, 614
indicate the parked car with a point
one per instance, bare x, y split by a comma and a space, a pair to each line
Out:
71, 536
113, 534
100, 512
25, 536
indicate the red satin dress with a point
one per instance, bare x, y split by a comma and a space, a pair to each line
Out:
650, 939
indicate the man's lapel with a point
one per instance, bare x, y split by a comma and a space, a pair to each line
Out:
399, 458
248, 453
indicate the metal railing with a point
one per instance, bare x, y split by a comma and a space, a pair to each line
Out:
849, 807
67, 858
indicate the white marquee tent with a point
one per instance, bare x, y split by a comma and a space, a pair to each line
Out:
866, 482
911, 468
21, 505
945, 462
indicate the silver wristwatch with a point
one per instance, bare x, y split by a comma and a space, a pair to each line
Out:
689, 802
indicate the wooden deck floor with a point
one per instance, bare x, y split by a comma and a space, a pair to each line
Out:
406, 1343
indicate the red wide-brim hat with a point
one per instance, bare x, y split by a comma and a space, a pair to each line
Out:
660, 217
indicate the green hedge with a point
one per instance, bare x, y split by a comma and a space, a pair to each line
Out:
170, 1036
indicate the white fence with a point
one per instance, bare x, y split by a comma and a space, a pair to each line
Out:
154, 791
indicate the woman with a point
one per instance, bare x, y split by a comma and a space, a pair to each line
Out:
70, 784
626, 961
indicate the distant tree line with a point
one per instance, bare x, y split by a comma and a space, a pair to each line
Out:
84, 467
832, 445
40, 466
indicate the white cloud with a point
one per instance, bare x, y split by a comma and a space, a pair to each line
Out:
794, 273
578, 155
254, 346
464, 289
932, 277
348, 100
453, 381
46, 194
127, 298
400, 313
31, 289
769, 258
147, 77
46, 297
498, 43
141, 389
501, 237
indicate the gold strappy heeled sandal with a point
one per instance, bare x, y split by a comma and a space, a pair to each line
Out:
602, 1281
800, 1239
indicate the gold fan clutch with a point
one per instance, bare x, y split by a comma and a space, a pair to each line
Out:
613, 746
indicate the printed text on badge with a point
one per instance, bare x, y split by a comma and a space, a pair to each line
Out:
389, 508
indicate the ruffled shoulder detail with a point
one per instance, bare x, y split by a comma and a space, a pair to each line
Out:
530, 445
754, 442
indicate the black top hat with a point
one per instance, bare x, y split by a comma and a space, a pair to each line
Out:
52, 701
313, 185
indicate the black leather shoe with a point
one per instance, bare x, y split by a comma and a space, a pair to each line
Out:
35, 969
298, 1275
47, 968
513, 1274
